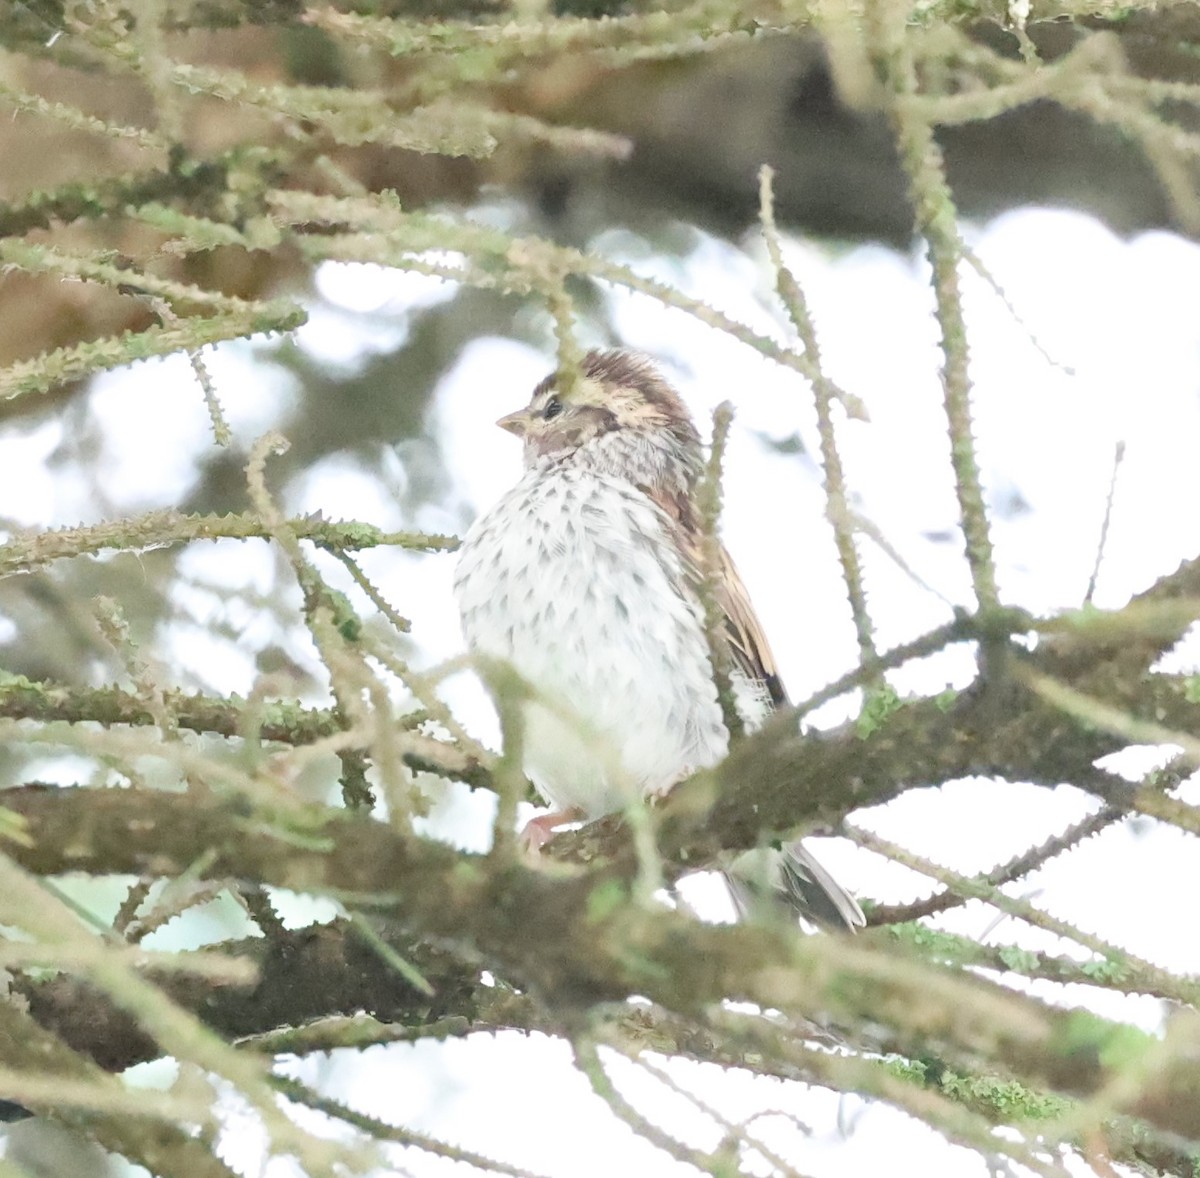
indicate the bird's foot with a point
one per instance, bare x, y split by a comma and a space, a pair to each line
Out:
540, 830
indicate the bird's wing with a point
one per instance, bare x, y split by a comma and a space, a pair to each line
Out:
789, 873
747, 642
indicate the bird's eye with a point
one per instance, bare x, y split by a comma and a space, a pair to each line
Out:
553, 408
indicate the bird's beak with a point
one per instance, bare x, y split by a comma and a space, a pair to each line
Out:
515, 423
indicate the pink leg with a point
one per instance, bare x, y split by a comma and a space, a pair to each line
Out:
540, 830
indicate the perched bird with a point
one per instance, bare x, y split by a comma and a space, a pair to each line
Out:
584, 579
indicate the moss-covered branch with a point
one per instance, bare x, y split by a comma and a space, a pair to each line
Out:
586, 953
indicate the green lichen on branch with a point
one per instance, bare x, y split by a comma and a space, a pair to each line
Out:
44, 372
161, 528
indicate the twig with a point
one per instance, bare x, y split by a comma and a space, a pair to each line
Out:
588, 1061
734, 1133
380, 1130
1102, 543
158, 529
837, 510
333, 626
1182, 989
936, 218
1016, 867
708, 498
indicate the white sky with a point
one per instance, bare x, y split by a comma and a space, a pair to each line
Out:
1120, 315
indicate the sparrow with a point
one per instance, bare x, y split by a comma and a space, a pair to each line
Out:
584, 579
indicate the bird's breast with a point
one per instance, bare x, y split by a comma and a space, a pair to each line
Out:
575, 580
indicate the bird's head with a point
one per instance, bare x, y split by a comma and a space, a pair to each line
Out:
617, 393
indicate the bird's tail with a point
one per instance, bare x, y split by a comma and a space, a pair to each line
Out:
793, 875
